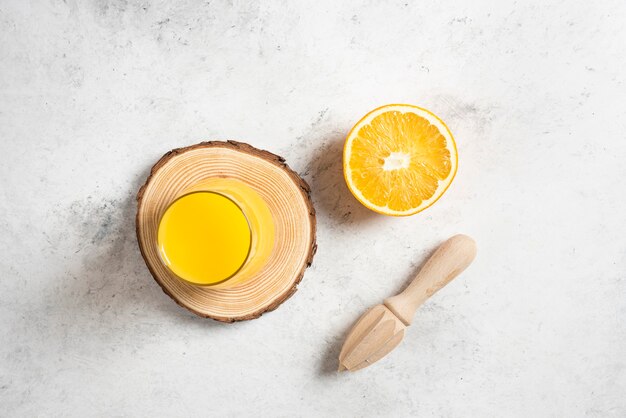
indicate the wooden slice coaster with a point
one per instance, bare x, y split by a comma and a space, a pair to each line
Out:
288, 198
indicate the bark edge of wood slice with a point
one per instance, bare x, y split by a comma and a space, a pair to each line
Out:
287, 195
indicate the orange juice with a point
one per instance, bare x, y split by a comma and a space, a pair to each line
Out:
219, 233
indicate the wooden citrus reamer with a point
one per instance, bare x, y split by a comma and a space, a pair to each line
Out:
381, 328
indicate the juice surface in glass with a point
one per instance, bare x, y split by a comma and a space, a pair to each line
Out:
220, 233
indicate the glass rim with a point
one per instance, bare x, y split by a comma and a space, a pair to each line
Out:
246, 258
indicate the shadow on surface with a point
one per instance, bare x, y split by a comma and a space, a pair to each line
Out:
415, 269
330, 360
111, 284
335, 205
331, 195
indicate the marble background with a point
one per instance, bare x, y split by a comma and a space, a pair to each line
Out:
92, 93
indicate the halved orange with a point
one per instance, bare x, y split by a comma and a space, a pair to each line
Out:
399, 159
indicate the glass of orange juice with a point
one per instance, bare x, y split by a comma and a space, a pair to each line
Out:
218, 233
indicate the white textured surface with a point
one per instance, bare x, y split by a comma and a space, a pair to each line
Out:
93, 92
